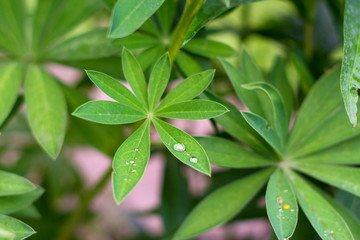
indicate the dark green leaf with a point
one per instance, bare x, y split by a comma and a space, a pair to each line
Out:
227, 2
166, 14
17, 229
221, 205
209, 48
305, 77
192, 154
150, 56
136, 41
128, 16
130, 161
46, 109
187, 64
11, 184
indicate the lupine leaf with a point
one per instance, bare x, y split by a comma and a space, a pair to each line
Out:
158, 81
226, 153
192, 110
150, 56
115, 89
130, 161
108, 112
221, 205
191, 87
11, 76
136, 41
18, 229
134, 76
324, 218
281, 205
350, 71
46, 109
193, 155
166, 14
128, 16
187, 64
11, 184
306, 79
209, 48
227, 2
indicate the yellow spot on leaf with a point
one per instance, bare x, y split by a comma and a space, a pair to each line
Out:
286, 206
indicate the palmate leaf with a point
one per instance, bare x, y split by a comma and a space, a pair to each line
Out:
192, 110
46, 109
128, 16
324, 218
192, 155
11, 184
226, 153
350, 71
130, 161
108, 112
281, 205
221, 205
166, 14
13, 229
209, 48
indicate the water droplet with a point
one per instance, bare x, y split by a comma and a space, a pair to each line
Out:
286, 206
134, 165
188, 154
193, 160
292, 210
131, 162
136, 149
331, 231
127, 162
280, 200
134, 170
125, 179
280, 210
179, 147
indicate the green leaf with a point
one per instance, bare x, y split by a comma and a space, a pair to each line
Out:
6, 235
321, 114
350, 70
187, 64
11, 77
324, 218
209, 48
227, 2
115, 89
11, 204
89, 45
209, 11
11, 184
46, 109
166, 14
192, 110
305, 77
279, 79
150, 56
134, 75
191, 87
159, 78
263, 128
280, 119
281, 205
18, 229
130, 161
128, 16
347, 178
193, 155
350, 201
107, 112
221, 205
234, 123
136, 41
225, 153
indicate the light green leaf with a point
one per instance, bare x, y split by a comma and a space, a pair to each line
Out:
11, 184
281, 205
115, 89
234, 123
187, 64
280, 119
134, 75
10, 82
323, 217
90, 45
227, 2
159, 78
6, 235
18, 229
261, 126
128, 16
136, 41
150, 56
225, 153
306, 79
278, 78
350, 71
130, 161
347, 178
107, 112
221, 205
209, 48
46, 109
191, 87
192, 110
11, 204
192, 155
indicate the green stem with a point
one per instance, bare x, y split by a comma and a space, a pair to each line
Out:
191, 9
309, 30
70, 224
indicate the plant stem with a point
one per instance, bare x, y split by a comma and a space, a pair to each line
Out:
309, 29
69, 226
191, 9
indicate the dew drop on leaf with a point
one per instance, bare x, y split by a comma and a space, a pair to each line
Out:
179, 147
193, 160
